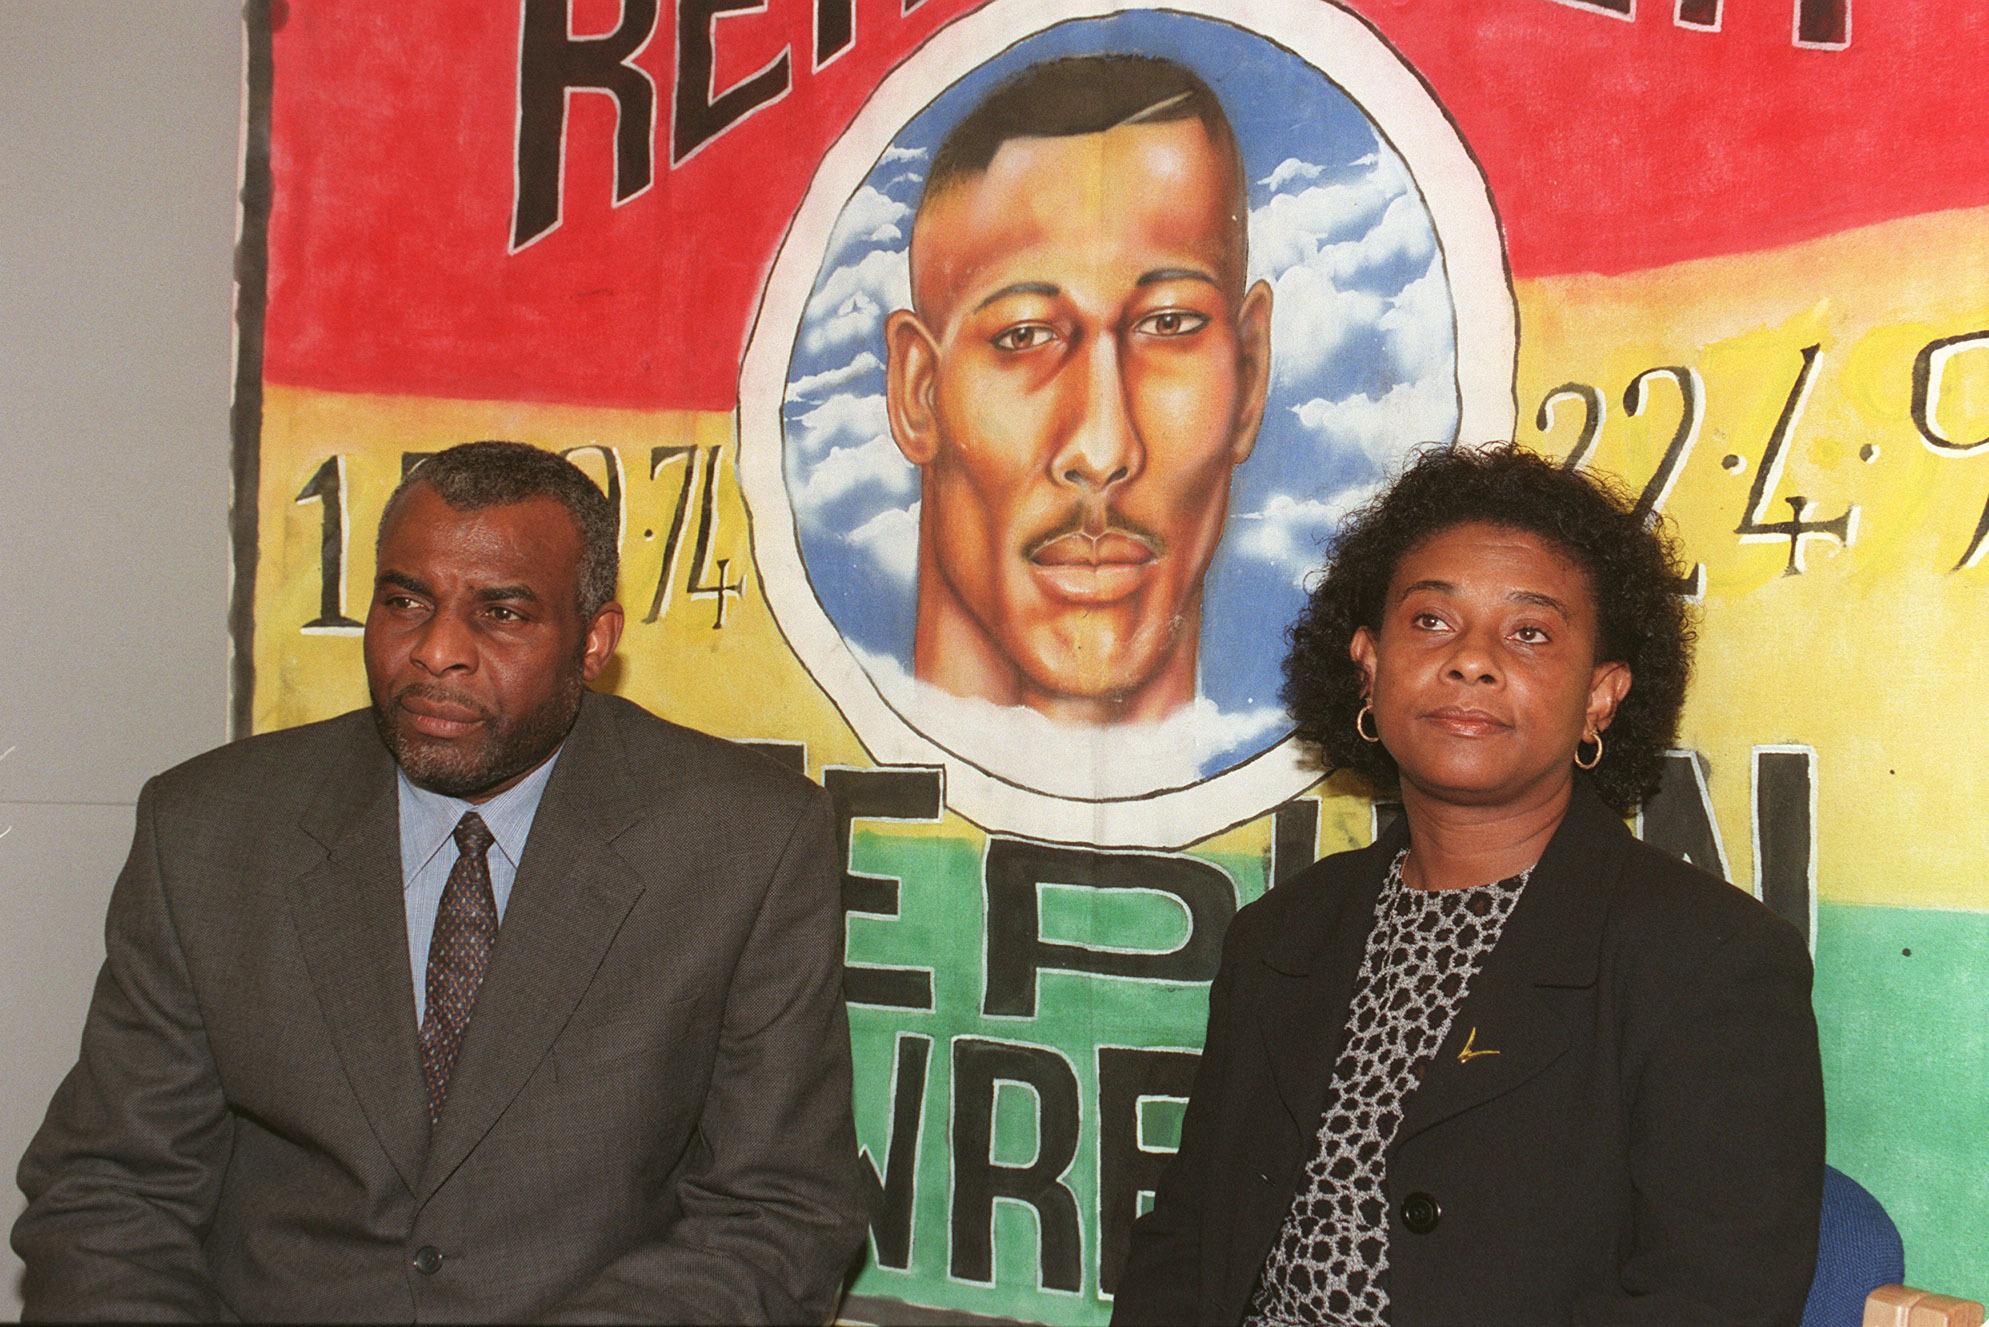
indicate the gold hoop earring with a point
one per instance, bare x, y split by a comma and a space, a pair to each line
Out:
1589, 764
1366, 711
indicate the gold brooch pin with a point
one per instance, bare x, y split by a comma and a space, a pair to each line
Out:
1471, 1051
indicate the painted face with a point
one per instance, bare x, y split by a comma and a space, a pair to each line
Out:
1483, 677
1083, 373
476, 652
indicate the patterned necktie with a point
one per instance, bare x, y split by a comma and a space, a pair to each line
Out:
458, 953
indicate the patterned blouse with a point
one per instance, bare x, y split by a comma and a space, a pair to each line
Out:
1330, 1259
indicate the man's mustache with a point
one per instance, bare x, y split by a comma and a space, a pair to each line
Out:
1094, 535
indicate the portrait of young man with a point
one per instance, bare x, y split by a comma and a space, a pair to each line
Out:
1083, 366
501, 1000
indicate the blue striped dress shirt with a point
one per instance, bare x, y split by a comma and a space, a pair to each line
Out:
428, 854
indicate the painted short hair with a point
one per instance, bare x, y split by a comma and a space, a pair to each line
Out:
1085, 94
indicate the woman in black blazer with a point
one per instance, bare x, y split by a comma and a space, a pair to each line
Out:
1508, 1065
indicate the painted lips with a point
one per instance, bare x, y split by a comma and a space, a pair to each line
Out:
1092, 568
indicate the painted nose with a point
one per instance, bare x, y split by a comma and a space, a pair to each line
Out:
1101, 447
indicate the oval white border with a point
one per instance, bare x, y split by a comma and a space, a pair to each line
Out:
1345, 50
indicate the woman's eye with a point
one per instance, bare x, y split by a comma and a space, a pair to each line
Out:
1023, 336
1530, 636
1427, 621
1172, 322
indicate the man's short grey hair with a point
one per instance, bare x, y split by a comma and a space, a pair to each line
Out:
475, 475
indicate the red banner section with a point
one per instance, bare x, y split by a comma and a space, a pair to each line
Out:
522, 200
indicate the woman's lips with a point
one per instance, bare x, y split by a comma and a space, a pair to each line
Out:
1092, 569
1465, 722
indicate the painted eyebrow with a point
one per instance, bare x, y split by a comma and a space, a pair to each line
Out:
1043, 288
1160, 274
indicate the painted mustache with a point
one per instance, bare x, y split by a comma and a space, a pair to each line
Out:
1114, 541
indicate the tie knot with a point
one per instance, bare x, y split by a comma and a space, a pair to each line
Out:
473, 837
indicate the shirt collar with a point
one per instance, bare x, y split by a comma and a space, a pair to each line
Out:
428, 819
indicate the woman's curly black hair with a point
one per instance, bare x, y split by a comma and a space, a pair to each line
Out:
1632, 571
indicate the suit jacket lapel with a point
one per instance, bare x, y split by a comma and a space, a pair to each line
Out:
571, 895
1307, 980
1514, 1019
1312, 969
351, 922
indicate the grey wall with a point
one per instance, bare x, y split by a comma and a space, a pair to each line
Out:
119, 124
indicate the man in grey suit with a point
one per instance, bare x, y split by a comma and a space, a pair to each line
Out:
504, 1000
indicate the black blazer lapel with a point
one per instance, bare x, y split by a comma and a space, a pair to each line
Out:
1514, 1021
351, 922
571, 895
1312, 967
1305, 978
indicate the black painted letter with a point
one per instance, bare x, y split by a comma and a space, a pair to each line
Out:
1823, 22
880, 794
702, 111
891, 1193
1785, 832
1929, 368
835, 29
549, 64
1679, 816
1017, 950
978, 1066
1126, 1168
1294, 839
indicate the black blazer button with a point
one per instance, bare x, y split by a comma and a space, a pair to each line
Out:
428, 1260
1420, 1213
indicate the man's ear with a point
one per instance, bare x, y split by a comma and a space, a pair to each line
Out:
1253, 367
1607, 686
603, 633
910, 386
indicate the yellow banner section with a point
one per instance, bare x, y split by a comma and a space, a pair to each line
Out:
1815, 420
1829, 469
700, 646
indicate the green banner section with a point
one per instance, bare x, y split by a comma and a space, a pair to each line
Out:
1902, 999
1016, 1122
1017, 1126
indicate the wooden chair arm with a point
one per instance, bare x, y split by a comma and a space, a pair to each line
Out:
1903, 1306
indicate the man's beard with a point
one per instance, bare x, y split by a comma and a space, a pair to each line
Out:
503, 749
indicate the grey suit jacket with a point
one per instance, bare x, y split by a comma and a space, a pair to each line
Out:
650, 1118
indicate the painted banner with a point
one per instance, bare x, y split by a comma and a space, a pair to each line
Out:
979, 385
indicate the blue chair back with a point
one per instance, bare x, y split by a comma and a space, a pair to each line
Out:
1858, 1250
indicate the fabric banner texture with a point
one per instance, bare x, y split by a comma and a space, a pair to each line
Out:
844, 304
